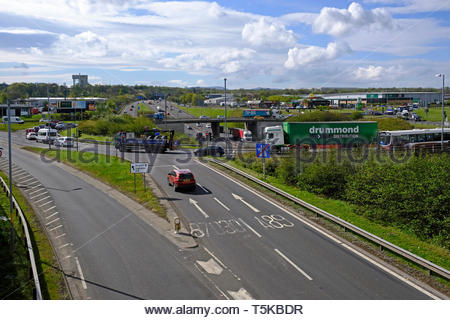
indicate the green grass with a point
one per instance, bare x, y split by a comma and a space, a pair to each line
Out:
109, 169
69, 132
213, 112
434, 114
344, 210
50, 278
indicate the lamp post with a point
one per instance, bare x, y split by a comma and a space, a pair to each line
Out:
226, 128
441, 75
10, 176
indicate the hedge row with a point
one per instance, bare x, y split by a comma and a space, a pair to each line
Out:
113, 124
412, 195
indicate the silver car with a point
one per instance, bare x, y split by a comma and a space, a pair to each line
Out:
64, 142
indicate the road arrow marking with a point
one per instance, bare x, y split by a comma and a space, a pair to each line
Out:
242, 294
210, 266
220, 202
193, 202
245, 202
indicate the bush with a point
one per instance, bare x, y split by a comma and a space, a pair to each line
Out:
113, 124
318, 116
329, 179
287, 171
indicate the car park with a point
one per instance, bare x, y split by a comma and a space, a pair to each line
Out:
181, 179
31, 135
210, 151
64, 142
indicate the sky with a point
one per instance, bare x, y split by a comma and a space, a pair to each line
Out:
253, 44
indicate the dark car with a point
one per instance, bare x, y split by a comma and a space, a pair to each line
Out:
210, 151
181, 179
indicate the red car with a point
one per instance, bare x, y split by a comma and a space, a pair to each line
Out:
181, 179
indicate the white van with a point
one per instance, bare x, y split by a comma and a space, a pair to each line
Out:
47, 135
14, 119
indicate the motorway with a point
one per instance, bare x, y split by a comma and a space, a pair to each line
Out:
249, 246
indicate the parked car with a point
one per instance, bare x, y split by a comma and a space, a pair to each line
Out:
220, 117
71, 125
203, 117
208, 125
27, 131
64, 142
13, 119
181, 179
31, 135
209, 151
60, 126
43, 120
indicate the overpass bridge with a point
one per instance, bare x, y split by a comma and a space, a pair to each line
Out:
256, 126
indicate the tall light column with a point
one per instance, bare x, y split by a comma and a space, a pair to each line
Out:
441, 75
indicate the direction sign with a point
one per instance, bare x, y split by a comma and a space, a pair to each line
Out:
262, 150
139, 167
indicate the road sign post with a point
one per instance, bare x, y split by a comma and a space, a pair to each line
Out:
263, 151
141, 167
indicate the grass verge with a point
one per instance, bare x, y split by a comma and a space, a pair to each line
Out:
110, 170
17, 268
344, 210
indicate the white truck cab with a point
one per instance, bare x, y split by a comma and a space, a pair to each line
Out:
274, 135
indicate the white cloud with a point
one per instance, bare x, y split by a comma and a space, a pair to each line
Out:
311, 55
369, 73
412, 6
84, 45
340, 22
200, 82
24, 31
263, 33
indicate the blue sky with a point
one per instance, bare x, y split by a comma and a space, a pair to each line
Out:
268, 43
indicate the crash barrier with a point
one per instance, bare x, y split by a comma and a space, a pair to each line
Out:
431, 267
24, 224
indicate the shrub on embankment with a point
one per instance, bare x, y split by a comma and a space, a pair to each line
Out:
110, 125
413, 195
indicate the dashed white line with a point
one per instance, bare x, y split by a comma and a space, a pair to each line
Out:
49, 223
253, 230
61, 235
44, 198
43, 205
220, 202
53, 229
83, 283
212, 255
64, 245
206, 191
293, 264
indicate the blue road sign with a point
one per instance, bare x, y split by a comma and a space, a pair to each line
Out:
262, 150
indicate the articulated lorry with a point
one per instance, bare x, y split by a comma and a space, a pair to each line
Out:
265, 113
155, 140
321, 134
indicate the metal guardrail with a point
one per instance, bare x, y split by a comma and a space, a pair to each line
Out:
29, 244
431, 267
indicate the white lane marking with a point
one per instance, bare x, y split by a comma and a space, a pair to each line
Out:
220, 202
36, 190
36, 186
61, 235
38, 195
206, 191
218, 260
215, 286
20, 174
53, 214
49, 223
195, 203
293, 264
83, 283
253, 230
64, 245
53, 229
175, 167
245, 202
398, 276
274, 204
210, 266
44, 204
242, 294
44, 198
49, 208
21, 180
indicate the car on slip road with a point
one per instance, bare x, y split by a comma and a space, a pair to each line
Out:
181, 179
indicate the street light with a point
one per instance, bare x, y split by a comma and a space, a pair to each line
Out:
226, 128
439, 75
